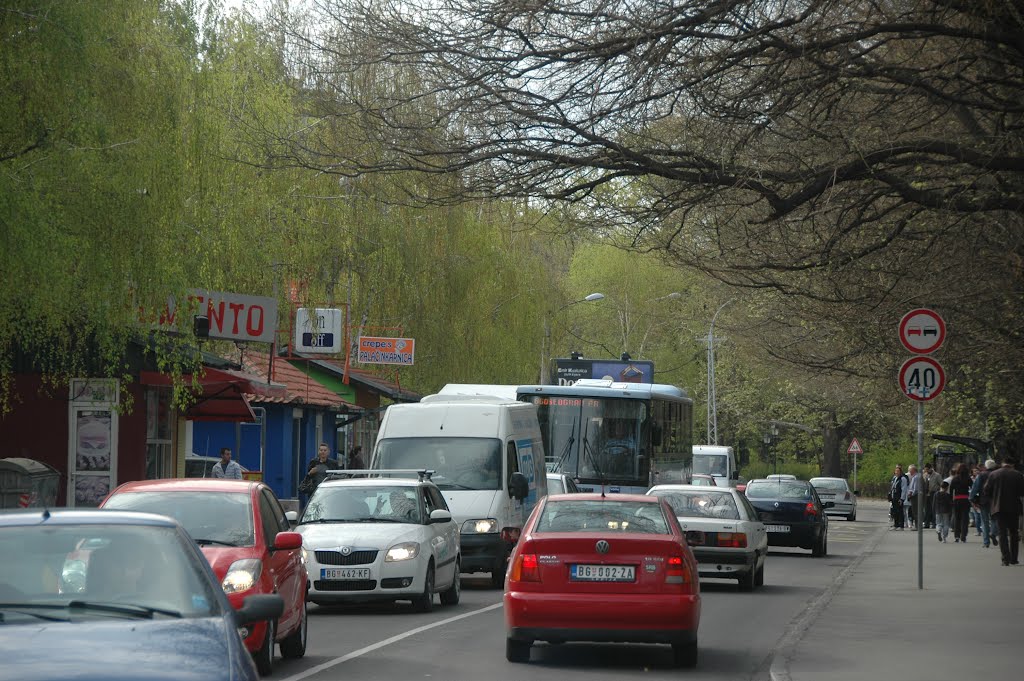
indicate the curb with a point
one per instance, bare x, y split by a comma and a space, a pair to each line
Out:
786, 647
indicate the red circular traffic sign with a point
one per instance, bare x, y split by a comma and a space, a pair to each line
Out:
922, 331
922, 378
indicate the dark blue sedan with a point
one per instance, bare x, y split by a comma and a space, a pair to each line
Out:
792, 513
93, 594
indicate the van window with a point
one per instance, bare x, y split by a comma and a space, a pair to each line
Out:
459, 463
511, 461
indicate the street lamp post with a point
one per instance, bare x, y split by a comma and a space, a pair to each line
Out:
545, 376
712, 421
770, 437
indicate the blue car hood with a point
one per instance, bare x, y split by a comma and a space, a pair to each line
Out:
117, 650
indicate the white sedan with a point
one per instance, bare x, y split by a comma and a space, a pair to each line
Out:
380, 539
726, 536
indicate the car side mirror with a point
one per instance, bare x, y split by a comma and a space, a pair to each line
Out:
440, 515
287, 541
259, 607
518, 487
292, 517
735, 475
856, 492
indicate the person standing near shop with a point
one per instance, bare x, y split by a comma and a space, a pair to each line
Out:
897, 497
1004, 488
932, 481
226, 468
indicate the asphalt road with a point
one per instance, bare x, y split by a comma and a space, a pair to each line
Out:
738, 631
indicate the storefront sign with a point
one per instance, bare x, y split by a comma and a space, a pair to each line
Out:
232, 316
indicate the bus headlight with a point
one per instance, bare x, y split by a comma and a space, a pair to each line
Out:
480, 526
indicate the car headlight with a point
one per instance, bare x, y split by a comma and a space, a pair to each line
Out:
398, 552
480, 526
305, 555
242, 575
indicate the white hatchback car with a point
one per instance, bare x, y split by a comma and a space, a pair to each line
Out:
838, 491
380, 539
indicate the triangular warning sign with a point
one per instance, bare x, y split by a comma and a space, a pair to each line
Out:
854, 447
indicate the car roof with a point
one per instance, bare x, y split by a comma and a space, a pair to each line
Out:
375, 482
703, 489
825, 477
188, 485
78, 516
597, 496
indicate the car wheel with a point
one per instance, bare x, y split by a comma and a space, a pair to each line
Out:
425, 601
818, 549
748, 580
517, 651
852, 516
759, 577
498, 573
452, 594
294, 646
264, 657
684, 654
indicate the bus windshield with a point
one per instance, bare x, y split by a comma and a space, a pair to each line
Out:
596, 439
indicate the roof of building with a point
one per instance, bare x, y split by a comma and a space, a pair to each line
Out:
369, 380
300, 388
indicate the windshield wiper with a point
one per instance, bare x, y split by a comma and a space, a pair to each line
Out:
132, 609
316, 521
205, 542
452, 485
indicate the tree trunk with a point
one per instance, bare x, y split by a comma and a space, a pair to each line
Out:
831, 463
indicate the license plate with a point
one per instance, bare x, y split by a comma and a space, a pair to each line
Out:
826, 497
777, 528
344, 573
603, 573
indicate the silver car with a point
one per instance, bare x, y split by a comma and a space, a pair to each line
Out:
837, 491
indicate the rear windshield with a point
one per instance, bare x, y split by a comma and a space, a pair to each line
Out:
829, 484
700, 504
222, 518
604, 516
778, 489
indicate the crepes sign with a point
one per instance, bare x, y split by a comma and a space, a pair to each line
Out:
378, 350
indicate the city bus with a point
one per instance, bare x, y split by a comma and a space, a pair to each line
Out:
617, 437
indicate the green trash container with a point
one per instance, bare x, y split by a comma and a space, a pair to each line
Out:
27, 483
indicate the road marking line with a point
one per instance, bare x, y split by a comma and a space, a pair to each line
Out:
386, 642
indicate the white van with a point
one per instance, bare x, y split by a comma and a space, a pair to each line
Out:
488, 461
719, 462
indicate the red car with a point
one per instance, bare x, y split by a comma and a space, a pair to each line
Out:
241, 528
590, 567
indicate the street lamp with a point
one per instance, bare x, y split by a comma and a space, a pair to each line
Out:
770, 437
712, 421
545, 376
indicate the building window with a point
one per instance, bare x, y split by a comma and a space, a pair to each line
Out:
159, 430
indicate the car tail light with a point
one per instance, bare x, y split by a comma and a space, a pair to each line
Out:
677, 571
525, 568
510, 535
732, 540
846, 496
695, 538
810, 510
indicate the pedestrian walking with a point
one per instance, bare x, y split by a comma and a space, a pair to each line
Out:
226, 468
897, 496
1005, 487
913, 489
355, 459
960, 489
316, 472
931, 483
980, 501
943, 510
976, 471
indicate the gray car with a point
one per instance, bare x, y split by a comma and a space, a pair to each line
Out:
837, 491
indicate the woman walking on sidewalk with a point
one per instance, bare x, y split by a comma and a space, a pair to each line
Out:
943, 509
960, 489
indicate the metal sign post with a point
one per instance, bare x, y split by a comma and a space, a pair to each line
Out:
855, 450
921, 378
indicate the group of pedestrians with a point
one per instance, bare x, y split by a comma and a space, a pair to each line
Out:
989, 500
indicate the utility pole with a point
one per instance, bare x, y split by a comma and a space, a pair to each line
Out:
712, 420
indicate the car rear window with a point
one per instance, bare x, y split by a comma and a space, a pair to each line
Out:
700, 503
778, 489
603, 515
829, 484
215, 517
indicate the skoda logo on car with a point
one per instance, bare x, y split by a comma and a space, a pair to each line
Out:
345, 550
602, 546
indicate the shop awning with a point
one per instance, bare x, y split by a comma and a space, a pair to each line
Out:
222, 393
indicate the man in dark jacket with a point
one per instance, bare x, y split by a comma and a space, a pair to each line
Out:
1004, 488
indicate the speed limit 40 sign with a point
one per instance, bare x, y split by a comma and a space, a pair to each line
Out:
922, 378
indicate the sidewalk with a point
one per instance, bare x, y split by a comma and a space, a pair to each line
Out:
875, 623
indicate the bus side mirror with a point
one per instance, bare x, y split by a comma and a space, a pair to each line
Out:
655, 436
